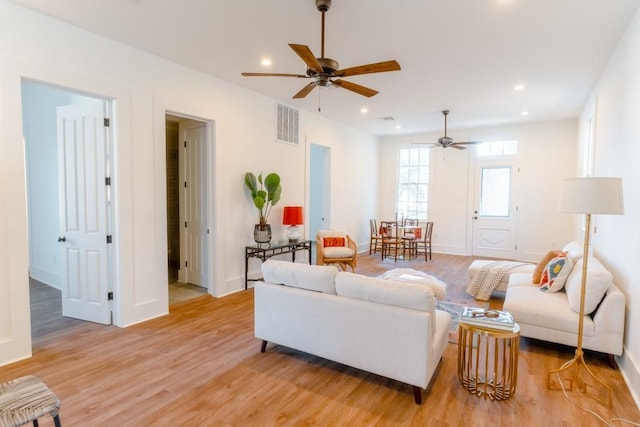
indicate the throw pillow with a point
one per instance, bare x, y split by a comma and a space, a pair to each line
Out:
333, 242
537, 273
555, 274
599, 279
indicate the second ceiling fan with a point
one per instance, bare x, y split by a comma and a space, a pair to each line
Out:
446, 141
326, 71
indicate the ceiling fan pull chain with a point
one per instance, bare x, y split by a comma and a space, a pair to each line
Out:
319, 92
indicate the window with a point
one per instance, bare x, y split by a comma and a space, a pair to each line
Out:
413, 183
589, 147
497, 148
495, 191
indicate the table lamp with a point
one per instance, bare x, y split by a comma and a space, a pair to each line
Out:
292, 216
592, 195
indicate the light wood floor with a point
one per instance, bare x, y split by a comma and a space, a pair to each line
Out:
201, 366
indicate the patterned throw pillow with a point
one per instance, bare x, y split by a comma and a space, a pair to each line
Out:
555, 274
333, 242
537, 273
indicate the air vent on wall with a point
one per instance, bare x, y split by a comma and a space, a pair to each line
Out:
287, 124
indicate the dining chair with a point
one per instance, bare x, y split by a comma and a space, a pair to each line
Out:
375, 242
410, 229
392, 242
424, 243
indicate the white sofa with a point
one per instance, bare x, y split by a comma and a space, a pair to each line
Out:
381, 326
554, 316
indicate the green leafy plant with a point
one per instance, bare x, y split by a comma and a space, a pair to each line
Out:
265, 193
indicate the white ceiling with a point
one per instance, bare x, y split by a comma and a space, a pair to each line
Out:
462, 55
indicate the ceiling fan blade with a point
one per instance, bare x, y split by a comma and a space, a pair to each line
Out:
379, 67
457, 147
305, 90
353, 87
307, 56
426, 144
274, 75
467, 143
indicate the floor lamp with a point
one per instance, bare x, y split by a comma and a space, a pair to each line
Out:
587, 196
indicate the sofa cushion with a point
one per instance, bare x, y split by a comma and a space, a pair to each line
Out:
555, 273
382, 291
546, 310
337, 252
320, 278
598, 281
574, 250
537, 273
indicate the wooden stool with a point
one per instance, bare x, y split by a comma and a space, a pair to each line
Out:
26, 399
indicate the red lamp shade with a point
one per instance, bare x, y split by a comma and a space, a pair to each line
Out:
292, 215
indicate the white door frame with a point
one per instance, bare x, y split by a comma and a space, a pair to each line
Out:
106, 204
211, 265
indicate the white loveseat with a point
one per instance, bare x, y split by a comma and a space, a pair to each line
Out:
381, 326
554, 316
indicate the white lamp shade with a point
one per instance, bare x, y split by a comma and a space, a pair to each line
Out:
592, 195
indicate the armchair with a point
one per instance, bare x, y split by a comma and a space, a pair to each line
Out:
335, 247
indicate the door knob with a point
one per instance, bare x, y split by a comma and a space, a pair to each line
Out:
62, 239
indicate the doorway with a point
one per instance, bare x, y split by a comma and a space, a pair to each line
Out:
319, 190
187, 172
68, 148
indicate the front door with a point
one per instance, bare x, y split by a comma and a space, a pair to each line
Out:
82, 160
494, 222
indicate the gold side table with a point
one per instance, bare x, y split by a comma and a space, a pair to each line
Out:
488, 360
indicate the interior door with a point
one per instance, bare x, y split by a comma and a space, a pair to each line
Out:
82, 160
193, 135
319, 191
494, 217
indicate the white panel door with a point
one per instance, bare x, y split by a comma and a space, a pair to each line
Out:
83, 212
494, 222
194, 206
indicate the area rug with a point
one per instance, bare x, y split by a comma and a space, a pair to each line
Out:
455, 309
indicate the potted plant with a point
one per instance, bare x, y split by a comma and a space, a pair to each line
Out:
265, 193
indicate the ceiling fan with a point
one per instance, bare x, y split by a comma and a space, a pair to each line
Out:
326, 71
446, 141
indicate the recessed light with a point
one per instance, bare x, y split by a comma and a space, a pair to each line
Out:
518, 87
266, 62
398, 126
364, 110
524, 113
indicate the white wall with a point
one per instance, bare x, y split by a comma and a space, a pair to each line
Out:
143, 87
617, 238
547, 155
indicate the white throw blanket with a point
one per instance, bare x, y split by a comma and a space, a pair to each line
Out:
489, 277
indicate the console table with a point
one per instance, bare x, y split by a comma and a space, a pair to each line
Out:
266, 251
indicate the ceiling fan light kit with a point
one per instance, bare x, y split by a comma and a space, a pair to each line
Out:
326, 71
